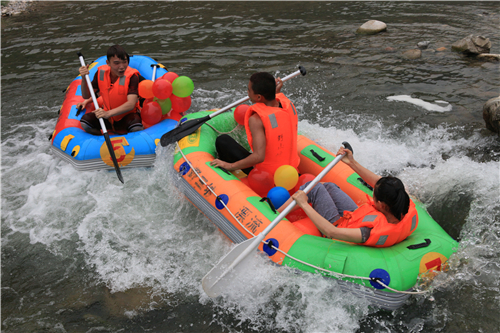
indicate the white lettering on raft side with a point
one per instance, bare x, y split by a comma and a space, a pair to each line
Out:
426, 105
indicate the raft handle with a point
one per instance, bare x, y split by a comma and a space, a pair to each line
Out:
270, 203
79, 110
421, 245
365, 183
315, 154
223, 169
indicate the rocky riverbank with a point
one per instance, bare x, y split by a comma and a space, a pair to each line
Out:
17, 7
472, 45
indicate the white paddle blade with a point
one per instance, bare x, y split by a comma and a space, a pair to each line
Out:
214, 281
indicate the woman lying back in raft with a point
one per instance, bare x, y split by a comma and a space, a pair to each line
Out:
384, 221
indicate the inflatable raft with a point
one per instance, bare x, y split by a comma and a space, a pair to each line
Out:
89, 152
240, 214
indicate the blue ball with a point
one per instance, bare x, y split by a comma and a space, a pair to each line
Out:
278, 196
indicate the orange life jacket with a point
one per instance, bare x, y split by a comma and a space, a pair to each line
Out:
383, 233
281, 137
115, 94
290, 108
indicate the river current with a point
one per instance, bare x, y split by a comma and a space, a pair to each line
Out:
83, 253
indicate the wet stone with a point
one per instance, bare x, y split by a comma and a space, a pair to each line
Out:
412, 54
372, 27
472, 45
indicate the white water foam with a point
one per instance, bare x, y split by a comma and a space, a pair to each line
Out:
426, 105
146, 234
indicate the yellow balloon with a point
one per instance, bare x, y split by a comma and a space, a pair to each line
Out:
286, 176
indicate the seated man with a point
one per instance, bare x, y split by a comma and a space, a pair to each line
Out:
387, 220
271, 127
117, 83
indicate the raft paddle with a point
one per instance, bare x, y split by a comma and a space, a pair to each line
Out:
188, 127
101, 121
213, 282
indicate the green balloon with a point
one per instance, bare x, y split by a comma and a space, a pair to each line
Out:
165, 104
182, 86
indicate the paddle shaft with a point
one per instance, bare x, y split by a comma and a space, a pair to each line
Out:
92, 94
101, 122
258, 239
238, 102
155, 66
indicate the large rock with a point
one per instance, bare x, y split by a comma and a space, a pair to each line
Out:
491, 114
372, 27
472, 45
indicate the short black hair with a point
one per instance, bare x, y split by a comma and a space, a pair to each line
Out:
264, 84
117, 50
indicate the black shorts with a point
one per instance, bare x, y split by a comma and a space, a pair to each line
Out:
124, 125
231, 151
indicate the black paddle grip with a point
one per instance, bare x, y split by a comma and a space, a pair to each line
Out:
347, 146
302, 70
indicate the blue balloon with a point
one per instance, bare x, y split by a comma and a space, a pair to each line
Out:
278, 196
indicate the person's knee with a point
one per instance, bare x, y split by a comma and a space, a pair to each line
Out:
136, 128
317, 193
317, 187
332, 186
222, 141
90, 130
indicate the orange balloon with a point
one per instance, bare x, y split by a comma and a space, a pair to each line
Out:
146, 89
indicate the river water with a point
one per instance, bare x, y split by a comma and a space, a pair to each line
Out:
83, 253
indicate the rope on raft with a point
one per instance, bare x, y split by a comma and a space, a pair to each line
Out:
268, 243
219, 132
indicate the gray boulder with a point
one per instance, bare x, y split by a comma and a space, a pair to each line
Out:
491, 114
372, 27
472, 45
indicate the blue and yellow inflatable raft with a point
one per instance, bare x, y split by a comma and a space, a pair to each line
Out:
89, 152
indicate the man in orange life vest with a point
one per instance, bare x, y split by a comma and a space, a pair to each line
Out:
118, 84
271, 127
